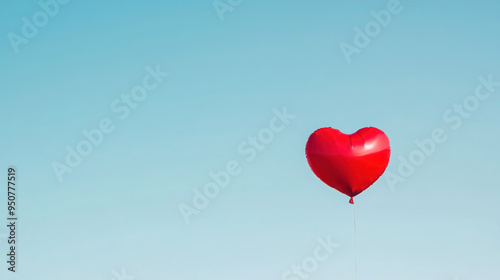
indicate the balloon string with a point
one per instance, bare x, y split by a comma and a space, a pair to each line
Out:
355, 247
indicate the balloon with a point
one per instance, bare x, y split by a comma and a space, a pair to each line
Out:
348, 163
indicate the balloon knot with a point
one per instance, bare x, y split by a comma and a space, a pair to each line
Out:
351, 201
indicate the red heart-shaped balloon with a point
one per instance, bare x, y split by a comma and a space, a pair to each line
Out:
348, 163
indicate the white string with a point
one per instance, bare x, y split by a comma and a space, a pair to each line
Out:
355, 247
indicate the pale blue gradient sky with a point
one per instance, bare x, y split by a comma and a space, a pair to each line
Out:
119, 207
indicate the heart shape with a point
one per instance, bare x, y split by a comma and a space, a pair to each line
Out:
348, 163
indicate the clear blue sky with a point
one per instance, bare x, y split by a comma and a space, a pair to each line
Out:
119, 208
